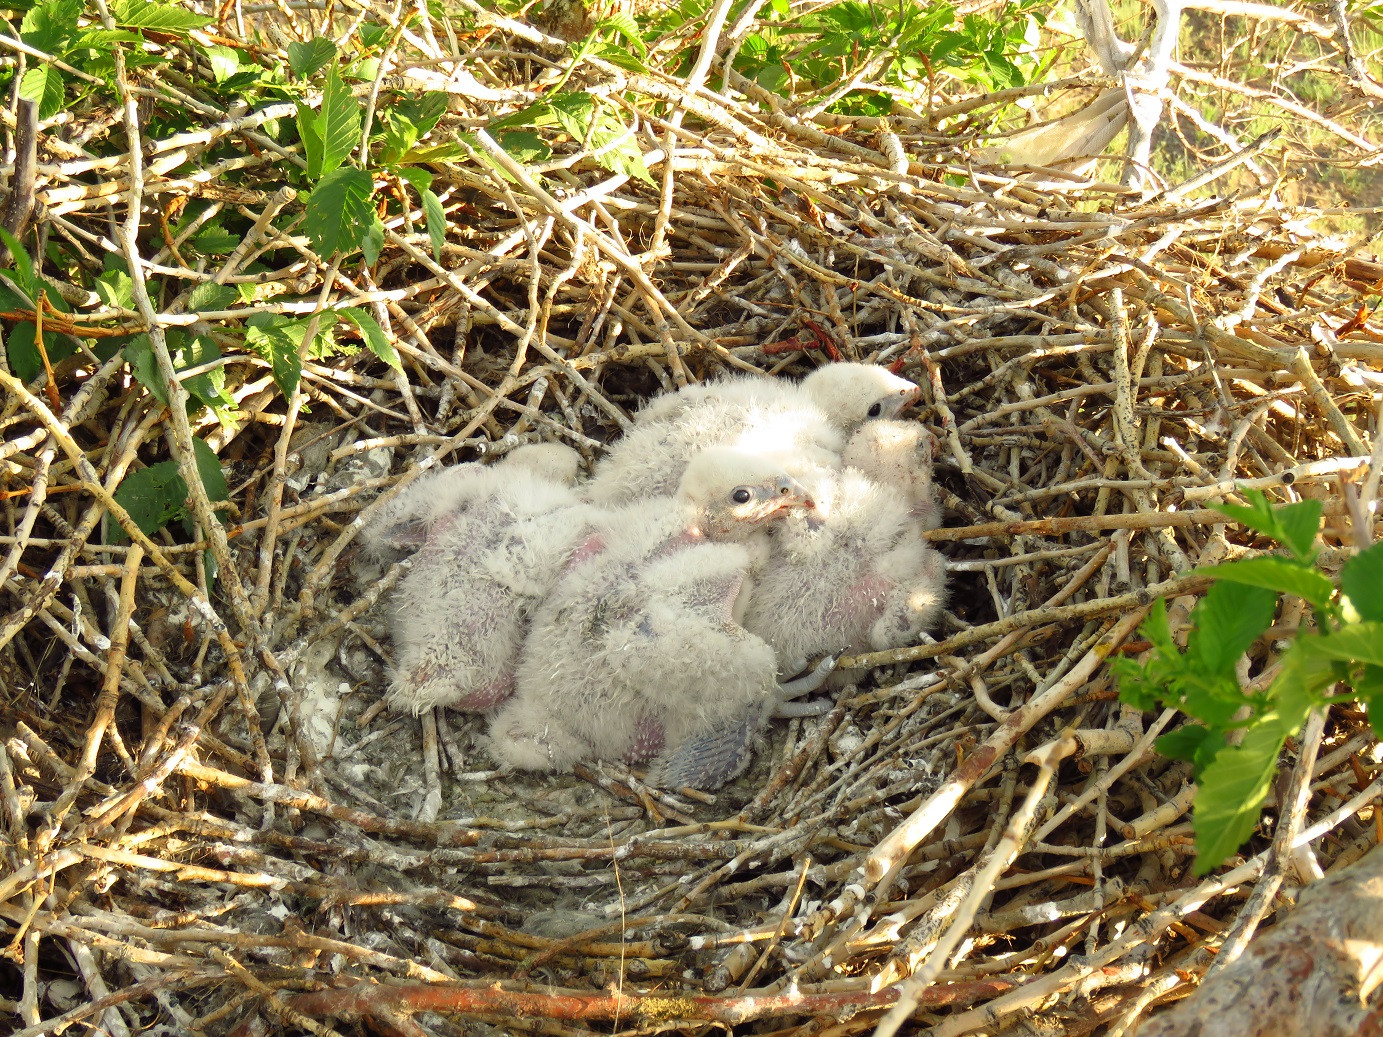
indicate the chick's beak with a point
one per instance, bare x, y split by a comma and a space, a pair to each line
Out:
792, 495
906, 399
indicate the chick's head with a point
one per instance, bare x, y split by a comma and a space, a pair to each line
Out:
852, 394
729, 494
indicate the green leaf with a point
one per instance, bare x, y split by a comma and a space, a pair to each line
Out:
373, 240
208, 387
436, 223
1285, 575
224, 61
306, 59
1230, 794
574, 112
1228, 620
418, 179
374, 336
424, 112
23, 272
1361, 580
1155, 627
1354, 642
209, 296
340, 211
272, 338
1193, 742
310, 133
209, 468
1298, 524
43, 85
339, 122
215, 240
524, 147
372, 35
142, 14
139, 354
153, 496
1369, 687
114, 288
1257, 515
24, 357
49, 26
627, 158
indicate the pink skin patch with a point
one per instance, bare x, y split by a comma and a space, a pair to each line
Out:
586, 550
489, 696
649, 738
861, 604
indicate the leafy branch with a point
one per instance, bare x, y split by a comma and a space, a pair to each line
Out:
1237, 733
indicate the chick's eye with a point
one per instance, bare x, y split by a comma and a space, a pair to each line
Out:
876, 410
741, 495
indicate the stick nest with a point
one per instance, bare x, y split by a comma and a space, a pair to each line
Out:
213, 826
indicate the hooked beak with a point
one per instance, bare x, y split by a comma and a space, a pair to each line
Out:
906, 400
789, 496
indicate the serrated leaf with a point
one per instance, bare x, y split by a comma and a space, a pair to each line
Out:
114, 288
339, 122
375, 339
310, 133
43, 84
1228, 619
143, 14
139, 354
1258, 515
1361, 580
1194, 743
1354, 642
418, 179
1230, 794
436, 223
445, 152
626, 158
1155, 626
272, 338
23, 354
1298, 524
207, 387
1369, 688
224, 61
153, 496
306, 59
524, 147
209, 296
215, 240
209, 468
1285, 575
340, 211
23, 272
423, 112
373, 240
49, 26
574, 112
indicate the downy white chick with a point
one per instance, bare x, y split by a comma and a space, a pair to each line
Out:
461, 613
898, 454
638, 648
404, 523
802, 423
856, 575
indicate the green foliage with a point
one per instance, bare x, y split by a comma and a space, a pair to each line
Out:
156, 495
911, 44
1345, 649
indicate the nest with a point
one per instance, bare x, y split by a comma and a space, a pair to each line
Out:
213, 827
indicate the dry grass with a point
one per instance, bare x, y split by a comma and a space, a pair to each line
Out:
211, 826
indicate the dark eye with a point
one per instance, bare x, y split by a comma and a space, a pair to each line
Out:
876, 410
741, 496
